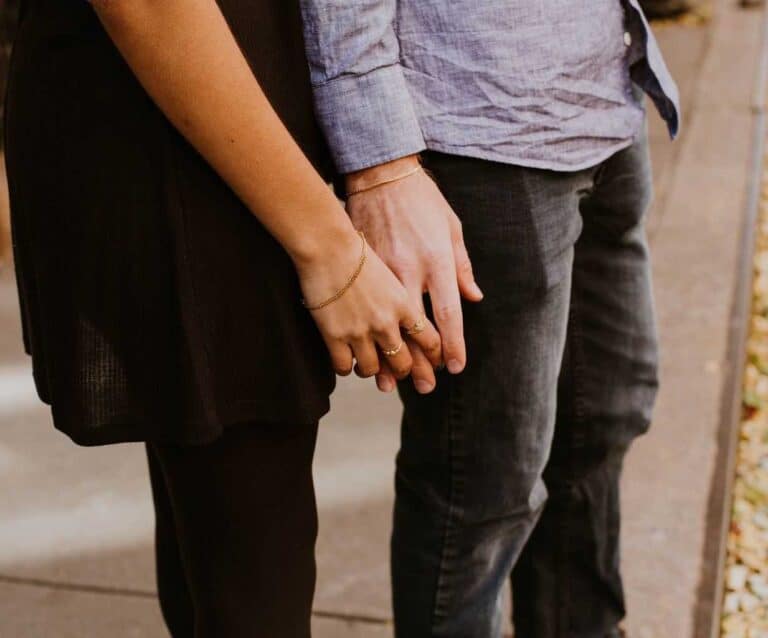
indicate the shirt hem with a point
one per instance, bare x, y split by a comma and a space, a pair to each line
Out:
501, 158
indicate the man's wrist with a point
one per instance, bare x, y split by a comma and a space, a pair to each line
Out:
369, 177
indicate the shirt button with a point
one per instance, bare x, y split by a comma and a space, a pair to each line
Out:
628, 38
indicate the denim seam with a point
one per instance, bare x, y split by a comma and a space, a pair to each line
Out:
576, 443
529, 208
449, 551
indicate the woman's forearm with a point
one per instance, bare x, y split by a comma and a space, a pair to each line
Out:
187, 59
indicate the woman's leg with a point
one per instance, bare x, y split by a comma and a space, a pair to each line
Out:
172, 588
246, 522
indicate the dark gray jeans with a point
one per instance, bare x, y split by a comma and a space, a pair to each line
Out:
562, 376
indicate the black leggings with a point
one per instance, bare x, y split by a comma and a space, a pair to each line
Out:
235, 535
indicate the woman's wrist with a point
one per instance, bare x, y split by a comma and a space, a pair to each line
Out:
318, 246
329, 263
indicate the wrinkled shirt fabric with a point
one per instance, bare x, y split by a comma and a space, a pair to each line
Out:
539, 83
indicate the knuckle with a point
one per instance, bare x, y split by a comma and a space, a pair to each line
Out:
401, 262
446, 311
401, 369
465, 266
432, 344
383, 323
381, 327
422, 367
339, 334
368, 370
356, 333
402, 299
435, 256
343, 369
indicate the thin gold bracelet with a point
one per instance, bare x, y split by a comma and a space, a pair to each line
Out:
349, 283
390, 180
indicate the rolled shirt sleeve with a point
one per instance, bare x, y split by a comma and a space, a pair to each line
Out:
361, 97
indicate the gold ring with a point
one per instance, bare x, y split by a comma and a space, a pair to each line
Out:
419, 326
394, 351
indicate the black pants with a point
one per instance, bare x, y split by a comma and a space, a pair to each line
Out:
235, 536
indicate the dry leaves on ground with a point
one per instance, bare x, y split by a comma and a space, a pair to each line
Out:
745, 607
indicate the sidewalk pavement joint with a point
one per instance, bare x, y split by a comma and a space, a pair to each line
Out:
43, 583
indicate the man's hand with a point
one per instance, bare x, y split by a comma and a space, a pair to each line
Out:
416, 233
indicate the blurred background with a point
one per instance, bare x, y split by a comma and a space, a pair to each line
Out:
76, 525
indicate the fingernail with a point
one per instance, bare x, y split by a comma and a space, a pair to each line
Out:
423, 387
477, 290
454, 366
386, 385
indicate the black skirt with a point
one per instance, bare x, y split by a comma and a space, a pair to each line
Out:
154, 305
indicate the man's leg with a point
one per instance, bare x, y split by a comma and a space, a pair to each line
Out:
469, 486
567, 582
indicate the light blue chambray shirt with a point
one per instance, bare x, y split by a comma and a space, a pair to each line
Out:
541, 83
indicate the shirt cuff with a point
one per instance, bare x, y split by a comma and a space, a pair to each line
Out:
368, 119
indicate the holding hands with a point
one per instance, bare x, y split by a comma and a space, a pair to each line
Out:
413, 229
362, 310
418, 248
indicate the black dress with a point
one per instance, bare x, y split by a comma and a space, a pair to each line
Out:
154, 305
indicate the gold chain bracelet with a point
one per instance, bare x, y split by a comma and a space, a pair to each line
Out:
350, 281
389, 180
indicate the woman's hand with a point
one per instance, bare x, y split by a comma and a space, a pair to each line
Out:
369, 317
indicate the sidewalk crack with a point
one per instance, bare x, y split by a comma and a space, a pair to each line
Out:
86, 588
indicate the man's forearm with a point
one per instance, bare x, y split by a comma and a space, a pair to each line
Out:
361, 95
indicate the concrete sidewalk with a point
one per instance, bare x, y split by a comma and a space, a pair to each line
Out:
76, 524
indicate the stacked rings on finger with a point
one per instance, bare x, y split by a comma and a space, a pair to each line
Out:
419, 326
394, 351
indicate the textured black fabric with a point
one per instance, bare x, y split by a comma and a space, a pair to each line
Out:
235, 534
149, 293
